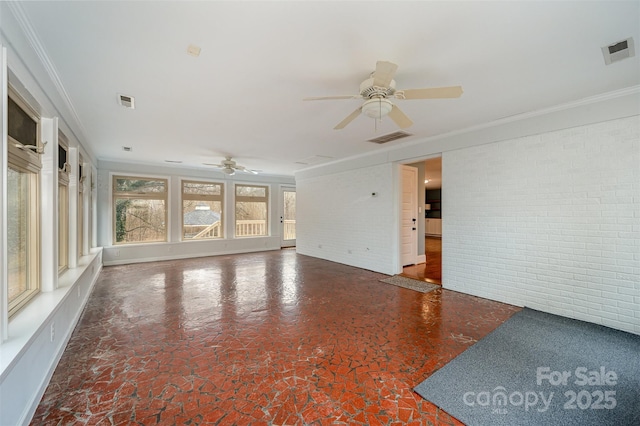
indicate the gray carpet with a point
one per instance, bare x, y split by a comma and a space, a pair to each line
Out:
421, 286
525, 358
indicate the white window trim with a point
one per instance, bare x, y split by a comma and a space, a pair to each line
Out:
220, 198
167, 211
266, 199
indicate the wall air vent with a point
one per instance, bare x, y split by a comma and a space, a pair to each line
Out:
126, 101
618, 51
390, 137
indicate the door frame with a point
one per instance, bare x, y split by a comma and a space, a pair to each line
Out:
284, 188
398, 207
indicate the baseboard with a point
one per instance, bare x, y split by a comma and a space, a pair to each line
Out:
421, 259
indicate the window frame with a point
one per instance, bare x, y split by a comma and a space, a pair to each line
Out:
250, 199
202, 197
137, 196
23, 160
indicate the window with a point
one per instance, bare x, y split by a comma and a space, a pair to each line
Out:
63, 203
23, 210
80, 216
251, 210
201, 210
139, 210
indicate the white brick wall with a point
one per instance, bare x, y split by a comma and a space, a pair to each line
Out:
339, 220
550, 221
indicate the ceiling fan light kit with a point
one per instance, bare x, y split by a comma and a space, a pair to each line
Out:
378, 87
377, 108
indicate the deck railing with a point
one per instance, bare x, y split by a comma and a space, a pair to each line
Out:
289, 229
211, 231
247, 228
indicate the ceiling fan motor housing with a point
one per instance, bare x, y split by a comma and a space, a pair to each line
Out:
369, 91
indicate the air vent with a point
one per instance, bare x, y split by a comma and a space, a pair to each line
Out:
390, 137
618, 51
126, 101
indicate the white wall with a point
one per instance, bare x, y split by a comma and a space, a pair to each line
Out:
542, 209
175, 248
550, 221
32, 341
339, 219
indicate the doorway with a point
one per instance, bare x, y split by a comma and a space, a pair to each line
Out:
430, 267
287, 212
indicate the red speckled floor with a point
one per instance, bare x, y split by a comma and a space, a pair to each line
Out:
272, 338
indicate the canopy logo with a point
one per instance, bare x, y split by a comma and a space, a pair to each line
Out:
498, 398
585, 392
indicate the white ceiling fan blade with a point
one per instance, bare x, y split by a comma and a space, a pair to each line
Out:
326, 98
214, 165
400, 118
430, 93
384, 73
348, 120
244, 169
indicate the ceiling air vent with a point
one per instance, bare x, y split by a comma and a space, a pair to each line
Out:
390, 137
618, 51
126, 101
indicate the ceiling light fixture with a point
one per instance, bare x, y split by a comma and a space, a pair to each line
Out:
377, 108
228, 171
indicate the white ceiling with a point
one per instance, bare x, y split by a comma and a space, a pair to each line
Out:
243, 95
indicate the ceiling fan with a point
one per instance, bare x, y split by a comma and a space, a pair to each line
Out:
379, 87
230, 167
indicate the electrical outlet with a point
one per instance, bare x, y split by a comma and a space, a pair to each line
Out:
116, 253
78, 292
53, 330
349, 251
319, 245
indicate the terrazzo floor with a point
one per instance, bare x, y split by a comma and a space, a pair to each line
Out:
271, 338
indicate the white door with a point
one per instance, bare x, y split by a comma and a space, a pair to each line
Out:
287, 217
409, 216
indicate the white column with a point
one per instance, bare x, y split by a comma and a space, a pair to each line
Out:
73, 207
49, 205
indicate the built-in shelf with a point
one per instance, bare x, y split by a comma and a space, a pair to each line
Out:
433, 200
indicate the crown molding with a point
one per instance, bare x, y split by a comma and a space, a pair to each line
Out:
37, 46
